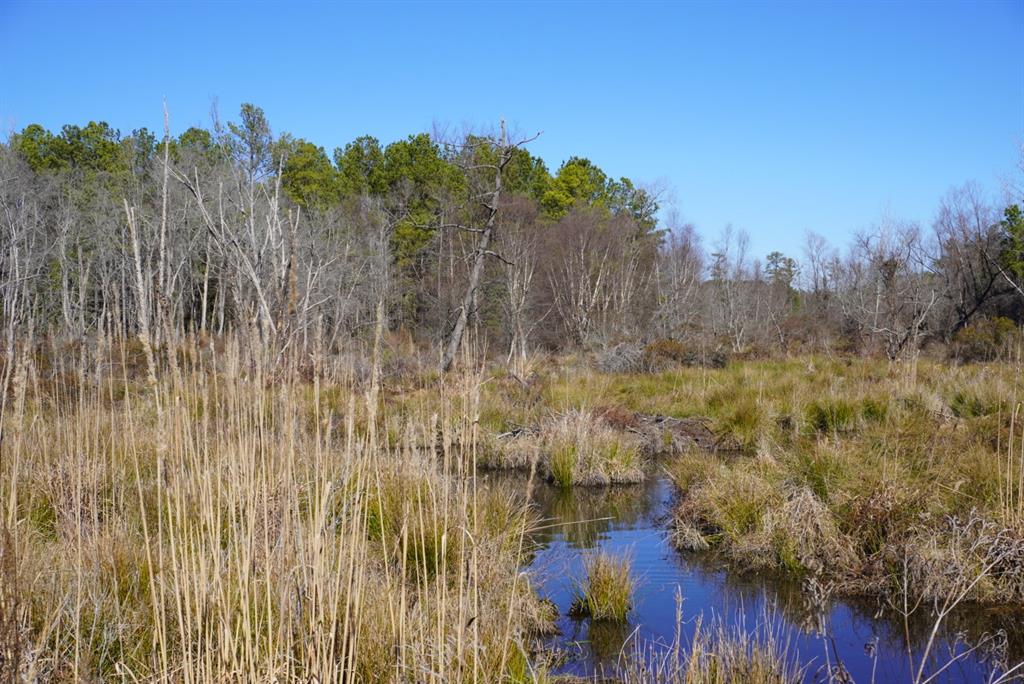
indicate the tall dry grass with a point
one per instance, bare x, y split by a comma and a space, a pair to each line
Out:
1011, 484
221, 521
237, 516
718, 653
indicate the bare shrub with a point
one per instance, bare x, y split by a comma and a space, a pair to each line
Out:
969, 554
985, 339
622, 358
665, 353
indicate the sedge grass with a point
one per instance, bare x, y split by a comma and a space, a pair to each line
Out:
605, 594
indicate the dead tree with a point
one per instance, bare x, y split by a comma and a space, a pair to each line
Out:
601, 277
580, 294
679, 268
890, 290
24, 252
490, 201
519, 245
969, 243
736, 309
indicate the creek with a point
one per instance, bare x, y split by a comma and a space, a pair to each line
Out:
677, 590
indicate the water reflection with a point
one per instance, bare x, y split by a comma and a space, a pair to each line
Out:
869, 640
583, 516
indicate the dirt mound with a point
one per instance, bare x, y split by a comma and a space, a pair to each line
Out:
666, 435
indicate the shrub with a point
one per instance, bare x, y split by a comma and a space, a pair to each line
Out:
881, 517
617, 417
658, 356
665, 353
622, 358
715, 358
984, 340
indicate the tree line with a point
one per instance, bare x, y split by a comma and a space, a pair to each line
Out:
236, 228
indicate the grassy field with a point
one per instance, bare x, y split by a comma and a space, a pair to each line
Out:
229, 520
878, 478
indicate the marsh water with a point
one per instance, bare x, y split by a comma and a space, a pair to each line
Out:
675, 589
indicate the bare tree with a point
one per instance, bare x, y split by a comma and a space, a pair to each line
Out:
600, 275
490, 200
967, 232
24, 253
679, 269
248, 226
519, 244
578, 286
890, 289
817, 281
736, 303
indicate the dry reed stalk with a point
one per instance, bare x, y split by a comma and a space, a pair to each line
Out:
255, 544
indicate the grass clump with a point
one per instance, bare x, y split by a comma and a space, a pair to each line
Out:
746, 424
578, 448
562, 465
606, 592
734, 655
966, 404
874, 410
820, 468
831, 416
725, 508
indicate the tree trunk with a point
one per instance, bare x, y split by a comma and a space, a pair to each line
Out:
479, 258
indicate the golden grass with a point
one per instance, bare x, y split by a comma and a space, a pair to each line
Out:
861, 476
224, 525
573, 448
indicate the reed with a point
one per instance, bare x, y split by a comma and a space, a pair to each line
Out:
217, 513
1011, 484
226, 524
758, 653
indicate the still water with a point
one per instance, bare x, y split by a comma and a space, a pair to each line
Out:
633, 520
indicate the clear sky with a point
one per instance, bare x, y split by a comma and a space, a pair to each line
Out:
777, 118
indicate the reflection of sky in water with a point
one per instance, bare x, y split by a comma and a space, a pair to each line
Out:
632, 520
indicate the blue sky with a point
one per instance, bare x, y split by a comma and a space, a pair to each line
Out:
777, 118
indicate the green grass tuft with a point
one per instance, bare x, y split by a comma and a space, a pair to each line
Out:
606, 593
831, 416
